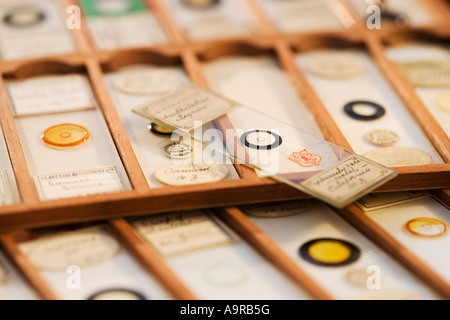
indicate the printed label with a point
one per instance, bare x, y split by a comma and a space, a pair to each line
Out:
184, 107
80, 183
182, 232
347, 180
129, 31
43, 43
81, 248
53, 94
375, 201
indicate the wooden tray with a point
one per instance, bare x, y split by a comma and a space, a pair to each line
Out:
250, 188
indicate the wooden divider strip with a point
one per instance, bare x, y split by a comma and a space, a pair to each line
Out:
166, 18
378, 235
80, 36
269, 249
150, 259
30, 273
407, 93
25, 183
116, 128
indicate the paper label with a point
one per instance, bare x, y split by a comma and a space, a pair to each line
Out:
80, 183
128, 31
186, 108
7, 194
182, 174
182, 232
427, 73
35, 44
53, 94
218, 26
346, 181
375, 201
82, 249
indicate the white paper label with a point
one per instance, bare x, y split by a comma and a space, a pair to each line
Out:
347, 180
35, 44
187, 108
190, 173
80, 183
374, 201
183, 232
51, 94
7, 194
73, 248
128, 31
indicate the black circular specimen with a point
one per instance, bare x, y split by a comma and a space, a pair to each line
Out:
23, 17
378, 110
261, 140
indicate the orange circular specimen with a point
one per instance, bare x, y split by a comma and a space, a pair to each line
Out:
66, 135
426, 227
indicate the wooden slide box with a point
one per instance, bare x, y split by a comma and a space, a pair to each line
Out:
32, 212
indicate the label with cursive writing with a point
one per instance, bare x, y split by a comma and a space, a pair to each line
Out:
183, 232
375, 201
138, 29
80, 183
186, 108
82, 248
51, 94
348, 180
192, 173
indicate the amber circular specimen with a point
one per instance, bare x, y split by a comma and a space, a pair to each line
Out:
329, 252
426, 227
66, 135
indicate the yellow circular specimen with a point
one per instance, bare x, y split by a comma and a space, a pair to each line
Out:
329, 252
426, 227
66, 135
443, 102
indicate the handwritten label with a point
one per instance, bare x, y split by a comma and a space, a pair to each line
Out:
80, 183
40, 43
188, 174
81, 248
348, 180
183, 232
278, 210
7, 193
375, 201
53, 94
186, 108
146, 80
427, 73
134, 30
218, 26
